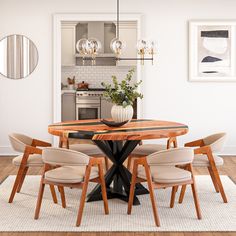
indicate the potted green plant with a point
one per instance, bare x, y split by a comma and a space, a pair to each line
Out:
122, 95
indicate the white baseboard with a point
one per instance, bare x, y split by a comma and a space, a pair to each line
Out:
228, 151
8, 151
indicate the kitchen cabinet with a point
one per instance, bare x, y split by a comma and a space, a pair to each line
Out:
68, 106
68, 31
105, 109
128, 34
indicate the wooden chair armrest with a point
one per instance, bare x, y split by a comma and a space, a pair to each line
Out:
196, 143
202, 150
33, 150
40, 143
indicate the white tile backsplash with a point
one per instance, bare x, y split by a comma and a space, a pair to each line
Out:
94, 75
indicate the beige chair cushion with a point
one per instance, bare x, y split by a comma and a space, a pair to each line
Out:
64, 157
171, 157
202, 160
215, 141
166, 174
88, 149
147, 149
69, 174
33, 160
19, 141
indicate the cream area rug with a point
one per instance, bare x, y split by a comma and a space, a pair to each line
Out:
217, 216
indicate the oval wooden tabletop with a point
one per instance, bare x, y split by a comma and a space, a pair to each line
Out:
139, 129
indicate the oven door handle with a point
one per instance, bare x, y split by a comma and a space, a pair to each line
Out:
88, 106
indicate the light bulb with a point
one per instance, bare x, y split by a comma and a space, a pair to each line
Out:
151, 47
93, 46
142, 47
81, 46
117, 46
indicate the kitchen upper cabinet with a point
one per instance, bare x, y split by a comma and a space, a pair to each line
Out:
68, 33
128, 34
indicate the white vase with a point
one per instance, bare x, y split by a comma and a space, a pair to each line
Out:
120, 114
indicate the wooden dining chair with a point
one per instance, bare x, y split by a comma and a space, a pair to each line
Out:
159, 171
87, 148
205, 157
31, 157
76, 171
147, 149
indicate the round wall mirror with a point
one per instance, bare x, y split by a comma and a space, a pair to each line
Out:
18, 56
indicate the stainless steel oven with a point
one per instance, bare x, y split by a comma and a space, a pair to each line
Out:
88, 105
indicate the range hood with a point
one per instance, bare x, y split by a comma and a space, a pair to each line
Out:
103, 31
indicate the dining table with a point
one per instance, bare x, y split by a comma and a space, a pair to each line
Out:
117, 143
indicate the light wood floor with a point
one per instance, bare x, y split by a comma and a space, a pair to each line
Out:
229, 168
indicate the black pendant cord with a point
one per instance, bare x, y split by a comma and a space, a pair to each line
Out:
118, 20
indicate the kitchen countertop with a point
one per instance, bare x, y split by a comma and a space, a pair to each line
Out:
68, 91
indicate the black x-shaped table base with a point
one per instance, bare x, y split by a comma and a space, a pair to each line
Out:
118, 175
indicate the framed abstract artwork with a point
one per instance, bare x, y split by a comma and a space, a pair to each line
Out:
212, 46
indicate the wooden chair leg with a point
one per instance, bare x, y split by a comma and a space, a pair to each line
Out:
152, 197
196, 201
104, 191
177, 188
16, 183
132, 189
182, 192
83, 196
106, 163
129, 162
213, 179
53, 192
60, 145
219, 184
39, 201
194, 191
173, 193
62, 193
22, 179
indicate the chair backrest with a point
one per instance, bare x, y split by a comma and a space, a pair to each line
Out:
215, 141
64, 157
19, 141
175, 156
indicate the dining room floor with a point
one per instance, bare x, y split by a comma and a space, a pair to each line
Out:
6, 169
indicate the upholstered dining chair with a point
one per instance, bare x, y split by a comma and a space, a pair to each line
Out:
75, 170
30, 157
147, 149
159, 171
205, 156
87, 148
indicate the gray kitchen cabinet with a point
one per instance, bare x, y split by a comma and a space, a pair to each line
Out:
105, 109
68, 43
68, 106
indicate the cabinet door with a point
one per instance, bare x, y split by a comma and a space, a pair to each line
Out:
68, 44
128, 34
68, 106
105, 109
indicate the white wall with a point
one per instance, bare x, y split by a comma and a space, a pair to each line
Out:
26, 105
